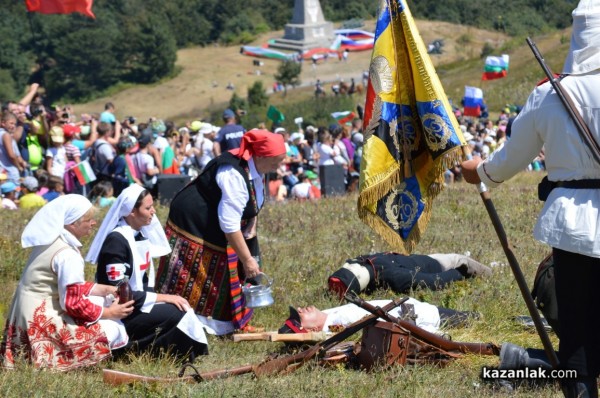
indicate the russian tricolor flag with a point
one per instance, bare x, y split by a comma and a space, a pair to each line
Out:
473, 101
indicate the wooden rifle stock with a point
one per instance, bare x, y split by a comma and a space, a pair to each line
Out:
310, 337
428, 337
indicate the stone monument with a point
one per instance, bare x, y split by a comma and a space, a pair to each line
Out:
307, 30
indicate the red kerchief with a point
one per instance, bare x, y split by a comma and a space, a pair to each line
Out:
261, 143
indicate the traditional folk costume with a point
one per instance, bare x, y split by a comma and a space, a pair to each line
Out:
225, 198
53, 321
120, 251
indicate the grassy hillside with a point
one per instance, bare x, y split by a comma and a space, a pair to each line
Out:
205, 72
524, 71
302, 244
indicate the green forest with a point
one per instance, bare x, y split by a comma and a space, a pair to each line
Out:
135, 41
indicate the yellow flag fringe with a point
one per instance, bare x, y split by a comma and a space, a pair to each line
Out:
411, 134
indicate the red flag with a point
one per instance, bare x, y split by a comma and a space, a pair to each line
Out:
61, 7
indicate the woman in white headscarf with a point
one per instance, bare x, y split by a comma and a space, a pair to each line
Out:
128, 239
57, 319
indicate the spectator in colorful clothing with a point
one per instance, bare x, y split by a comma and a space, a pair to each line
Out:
122, 169
303, 189
30, 198
56, 187
10, 157
9, 195
56, 155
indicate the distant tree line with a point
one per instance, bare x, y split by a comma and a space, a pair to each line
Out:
514, 17
135, 41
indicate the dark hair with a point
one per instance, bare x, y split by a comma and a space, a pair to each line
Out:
140, 198
43, 177
53, 181
103, 128
99, 190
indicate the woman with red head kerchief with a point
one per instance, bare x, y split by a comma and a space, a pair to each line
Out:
212, 230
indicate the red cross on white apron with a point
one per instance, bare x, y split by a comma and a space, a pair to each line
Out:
144, 266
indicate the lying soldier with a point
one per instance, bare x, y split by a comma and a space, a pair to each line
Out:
425, 315
401, 272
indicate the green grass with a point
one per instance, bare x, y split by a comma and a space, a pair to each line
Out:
302, 244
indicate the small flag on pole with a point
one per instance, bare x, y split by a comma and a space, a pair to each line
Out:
343, 117
61, 7
473, 101
84, 173
495, 67
275, 115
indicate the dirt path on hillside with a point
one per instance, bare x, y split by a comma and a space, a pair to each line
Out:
206, 72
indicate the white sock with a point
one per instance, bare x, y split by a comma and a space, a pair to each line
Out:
361, 273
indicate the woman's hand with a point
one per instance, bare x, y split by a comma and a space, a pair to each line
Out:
118, 311
251, 268
103, 290
177, 301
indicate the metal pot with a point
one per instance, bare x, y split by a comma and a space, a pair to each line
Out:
259, 294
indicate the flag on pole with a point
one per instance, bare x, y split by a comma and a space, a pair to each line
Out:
84, 173
61, 7
473, 100
411, 133
343, 117
275, 115
495, 67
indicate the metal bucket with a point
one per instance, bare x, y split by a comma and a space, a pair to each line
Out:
259, 294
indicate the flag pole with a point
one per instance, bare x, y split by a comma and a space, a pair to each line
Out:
516, 270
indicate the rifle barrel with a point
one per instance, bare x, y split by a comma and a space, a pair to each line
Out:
432, 338
116, 377
567, 102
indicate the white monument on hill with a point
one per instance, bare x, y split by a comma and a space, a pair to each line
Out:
307, 30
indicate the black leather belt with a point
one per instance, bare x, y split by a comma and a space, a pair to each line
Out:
578, 184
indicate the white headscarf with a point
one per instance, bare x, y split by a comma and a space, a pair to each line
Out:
121, 208
48, 223
584, 54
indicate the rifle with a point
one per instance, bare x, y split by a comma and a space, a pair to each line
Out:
567, 102
421, 334
318, 350
269, 367
310, 337
115, 377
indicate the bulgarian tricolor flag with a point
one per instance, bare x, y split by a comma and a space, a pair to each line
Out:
343, 117
472, 101
495, 67
84, 173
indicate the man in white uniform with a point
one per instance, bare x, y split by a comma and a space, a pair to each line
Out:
569, 221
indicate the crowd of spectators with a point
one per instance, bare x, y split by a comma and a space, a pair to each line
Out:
48, 151
485, 135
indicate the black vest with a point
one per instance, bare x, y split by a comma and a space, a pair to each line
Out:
206, 183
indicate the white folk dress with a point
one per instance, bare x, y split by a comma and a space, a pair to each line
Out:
40, 331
